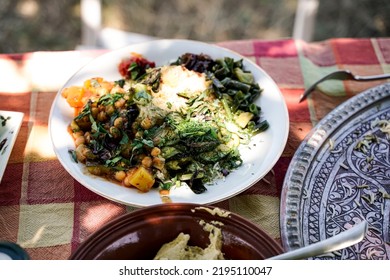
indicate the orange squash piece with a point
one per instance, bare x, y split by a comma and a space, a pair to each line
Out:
142, 179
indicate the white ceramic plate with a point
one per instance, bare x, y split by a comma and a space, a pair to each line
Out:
10, 123
259, 157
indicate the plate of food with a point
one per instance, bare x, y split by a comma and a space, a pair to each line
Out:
340, 176
10, 123
169, 121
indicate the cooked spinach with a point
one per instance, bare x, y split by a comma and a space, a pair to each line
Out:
231, 83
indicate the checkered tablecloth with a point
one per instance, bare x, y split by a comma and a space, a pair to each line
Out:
47, 212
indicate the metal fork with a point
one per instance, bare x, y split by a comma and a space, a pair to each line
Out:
342, 240
343, 75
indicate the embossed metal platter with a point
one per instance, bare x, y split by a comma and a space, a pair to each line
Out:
340, 175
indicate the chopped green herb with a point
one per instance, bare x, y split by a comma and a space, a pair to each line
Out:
4, 120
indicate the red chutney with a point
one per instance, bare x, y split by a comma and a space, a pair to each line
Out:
142, 63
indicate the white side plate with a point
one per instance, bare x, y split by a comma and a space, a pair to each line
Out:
10, 123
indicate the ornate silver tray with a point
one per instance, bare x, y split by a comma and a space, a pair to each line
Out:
340, 175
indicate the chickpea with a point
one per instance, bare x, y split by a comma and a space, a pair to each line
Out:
155, 152
126, 181
118, 123
87, 137
115, 132
146, 123
146, 162
120, 103
101, 107
87, 152
102, 116
77, 134
139, 134
126, 150
80, 153
158, 163
120, 175
79, 140
95, 112
110, 110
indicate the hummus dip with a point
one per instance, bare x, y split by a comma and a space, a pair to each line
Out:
178, 249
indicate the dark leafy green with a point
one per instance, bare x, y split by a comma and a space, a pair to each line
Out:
229, 78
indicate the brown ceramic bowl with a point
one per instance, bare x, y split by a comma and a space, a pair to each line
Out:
140, 234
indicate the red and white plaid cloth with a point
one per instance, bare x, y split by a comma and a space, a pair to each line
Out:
47, 212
